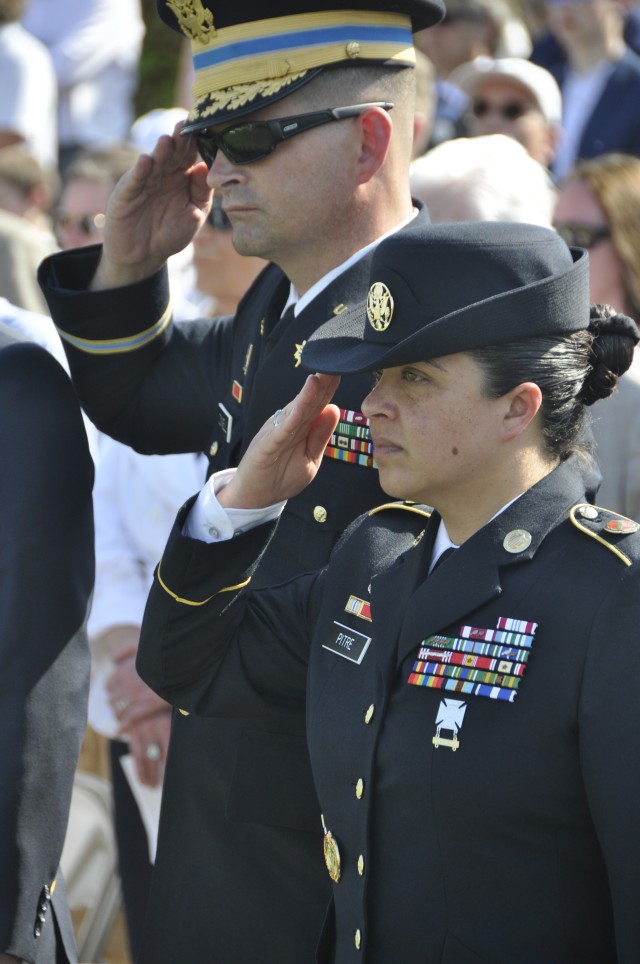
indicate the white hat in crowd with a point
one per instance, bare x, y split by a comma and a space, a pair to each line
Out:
539, 82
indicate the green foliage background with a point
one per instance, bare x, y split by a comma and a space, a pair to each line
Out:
161, 53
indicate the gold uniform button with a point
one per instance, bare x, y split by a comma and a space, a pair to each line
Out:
361, 865
357, 939
213, 451
320, 514
368, 716
359, 788
353, 49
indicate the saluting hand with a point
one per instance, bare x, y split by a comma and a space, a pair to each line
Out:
154, 211
283, 458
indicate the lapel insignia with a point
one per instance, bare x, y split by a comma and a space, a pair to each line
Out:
517, 540
449, 718
339, 309
297, 355
236, 391
348, 643
247, 360
478, 661
358, 607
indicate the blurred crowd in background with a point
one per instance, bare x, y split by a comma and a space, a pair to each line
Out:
527, 110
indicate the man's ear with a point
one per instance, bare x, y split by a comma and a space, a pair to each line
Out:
523, 403
375, 127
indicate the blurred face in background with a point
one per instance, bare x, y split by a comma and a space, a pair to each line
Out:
582, 22
501, 105
221, 272
79, 219
579, 218
453, 42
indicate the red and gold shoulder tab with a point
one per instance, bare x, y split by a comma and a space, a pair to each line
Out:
605, 526
421, 510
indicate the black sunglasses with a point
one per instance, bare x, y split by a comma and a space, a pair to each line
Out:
253, 140
216, 216
510, 111
582, 235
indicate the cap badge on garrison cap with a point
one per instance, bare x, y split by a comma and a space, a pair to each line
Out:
195, 21
379, 306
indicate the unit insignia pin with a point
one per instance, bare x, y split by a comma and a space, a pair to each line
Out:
298, 354
622, 526
247, 360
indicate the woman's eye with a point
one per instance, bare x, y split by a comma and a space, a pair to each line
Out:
375, 378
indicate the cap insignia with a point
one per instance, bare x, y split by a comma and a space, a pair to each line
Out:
379, 306
194, 20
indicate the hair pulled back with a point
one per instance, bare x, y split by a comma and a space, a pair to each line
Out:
571, 371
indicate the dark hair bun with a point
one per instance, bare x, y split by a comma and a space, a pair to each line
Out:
614, 339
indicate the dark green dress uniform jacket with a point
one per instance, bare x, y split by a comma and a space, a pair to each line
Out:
486, 822
240, 840
46, 579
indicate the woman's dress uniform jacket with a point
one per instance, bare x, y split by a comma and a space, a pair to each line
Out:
208, 386
496, 820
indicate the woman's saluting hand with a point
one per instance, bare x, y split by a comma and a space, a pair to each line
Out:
285, 454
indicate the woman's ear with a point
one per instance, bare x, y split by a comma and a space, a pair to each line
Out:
523, 404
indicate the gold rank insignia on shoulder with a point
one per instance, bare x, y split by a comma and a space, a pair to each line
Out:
195, 21
331, 853
604, 526
379, 306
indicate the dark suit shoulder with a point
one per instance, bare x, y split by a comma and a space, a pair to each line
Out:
614, 532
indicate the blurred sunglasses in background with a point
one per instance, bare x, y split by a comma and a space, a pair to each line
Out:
216, 216
254, 140
582, 235
510, 111
87, 223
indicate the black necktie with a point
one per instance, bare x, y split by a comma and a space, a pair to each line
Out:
445, 555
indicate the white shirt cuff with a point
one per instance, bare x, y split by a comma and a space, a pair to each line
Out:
208, 521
